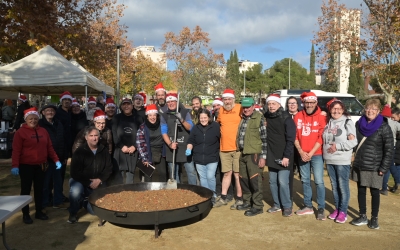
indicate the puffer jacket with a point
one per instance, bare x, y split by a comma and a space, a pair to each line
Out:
376, 152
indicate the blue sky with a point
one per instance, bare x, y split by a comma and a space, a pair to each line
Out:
264, 31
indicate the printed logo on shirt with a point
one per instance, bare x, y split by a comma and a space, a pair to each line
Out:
299, 123
128, 130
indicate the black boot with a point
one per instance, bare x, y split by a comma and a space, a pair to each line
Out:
394, 188
41, 216
253, 211
26, 218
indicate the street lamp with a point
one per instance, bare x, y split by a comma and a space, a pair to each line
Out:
119, 46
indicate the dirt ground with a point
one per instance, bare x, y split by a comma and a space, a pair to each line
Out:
221, 228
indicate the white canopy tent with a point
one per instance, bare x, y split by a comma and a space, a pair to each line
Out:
46, 72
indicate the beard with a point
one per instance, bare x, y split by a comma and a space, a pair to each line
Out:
161, 102
229, 107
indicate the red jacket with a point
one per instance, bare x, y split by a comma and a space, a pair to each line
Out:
32, 147
309, 129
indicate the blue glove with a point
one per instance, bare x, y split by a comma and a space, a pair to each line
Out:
188, 152
15, 171
59, 165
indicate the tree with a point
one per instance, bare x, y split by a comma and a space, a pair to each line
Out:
196, 65
353, 79
255, 80
232, 72
312, 64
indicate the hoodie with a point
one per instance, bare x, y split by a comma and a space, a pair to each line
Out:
337, 131
309, 128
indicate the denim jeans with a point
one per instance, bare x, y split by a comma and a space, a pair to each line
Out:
54, 175
190, 171
317, 165
279, 185
207, 175
128, 176
339, 176
78, 197
393, 169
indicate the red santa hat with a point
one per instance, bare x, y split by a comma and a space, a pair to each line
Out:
91, 100
171, 97
329, 104
257, 107
110, 103
22, 98
31, 111
386, 111
143, 94
308, 96
66, 95
99, 114
228, 93
218, 101
75, 102
151, 109
159, 87
274, 97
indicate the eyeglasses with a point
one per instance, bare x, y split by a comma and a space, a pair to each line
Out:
100, 123
292, 103
370, 109
337, 109
310, 103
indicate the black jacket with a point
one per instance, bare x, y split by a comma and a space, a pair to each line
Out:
86, 165
56, 133
376, 152
20, 115
78, 122
205, 141
65, 118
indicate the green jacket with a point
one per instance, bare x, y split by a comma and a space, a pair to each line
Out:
252, 139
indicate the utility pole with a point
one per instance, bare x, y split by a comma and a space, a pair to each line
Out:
119, 46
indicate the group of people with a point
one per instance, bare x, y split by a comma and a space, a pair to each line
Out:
224, 150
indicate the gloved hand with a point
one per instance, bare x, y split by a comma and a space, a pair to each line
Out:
59, 165
178, 116
188, 152
15, 171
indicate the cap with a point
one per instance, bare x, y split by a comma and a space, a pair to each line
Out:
247, 102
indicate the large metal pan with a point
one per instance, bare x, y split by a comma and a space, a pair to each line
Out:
150, 218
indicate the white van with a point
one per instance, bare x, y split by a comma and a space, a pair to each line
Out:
353, 106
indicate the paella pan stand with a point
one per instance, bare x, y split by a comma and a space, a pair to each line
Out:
155, 218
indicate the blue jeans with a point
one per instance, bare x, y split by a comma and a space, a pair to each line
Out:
339, 175
317, 165
280, 192
52, 174
207, 175
190, 171
78, 197
395, 172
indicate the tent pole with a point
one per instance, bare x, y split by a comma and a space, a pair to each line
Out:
86, 107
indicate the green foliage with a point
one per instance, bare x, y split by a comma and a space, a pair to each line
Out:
278, 77
232, 72
255, 79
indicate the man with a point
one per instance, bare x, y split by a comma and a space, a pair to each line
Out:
281, 133
110, 112
229, 118
395, 127
90, 169
168, 120
91, 108
160, 96
310, 125
395, 169
100, 102
196, 105
52, 176
63, 114
252, 145
138, 108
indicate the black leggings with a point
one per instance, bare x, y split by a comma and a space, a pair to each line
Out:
29, 174
362, 200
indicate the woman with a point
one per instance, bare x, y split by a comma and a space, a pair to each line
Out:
151, 146
292, 106
8, 113
204, 141
23, 103
53, 177
31, 149
373, 157
78, 119
99, 120
124, 130
339, 139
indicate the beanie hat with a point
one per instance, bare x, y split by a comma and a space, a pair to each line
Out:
66, 95
48, 106
159, 87
99, 114
228, 93
308, 96
75, 102
91, 100
138, 96
171, 97
110, 102
217, 101
31, 111
22, 98
386, 111
151, 109
274, 97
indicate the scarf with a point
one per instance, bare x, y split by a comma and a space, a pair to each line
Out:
152, 126
367, 129
277, 113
